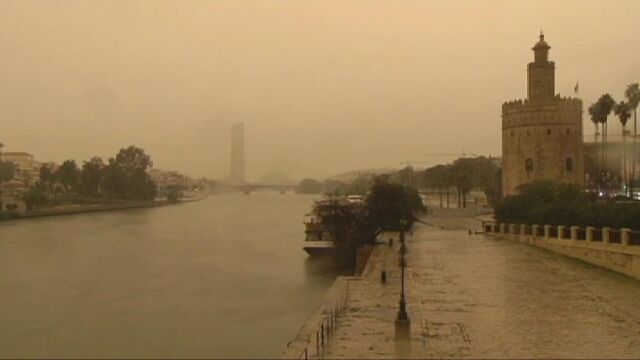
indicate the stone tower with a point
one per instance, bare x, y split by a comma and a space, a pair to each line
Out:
237, 154
541, 135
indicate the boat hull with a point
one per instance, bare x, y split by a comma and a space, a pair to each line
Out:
319, 248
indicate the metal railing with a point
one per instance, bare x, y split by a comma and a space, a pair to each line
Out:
316, 341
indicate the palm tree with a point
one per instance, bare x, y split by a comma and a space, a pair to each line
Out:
623, 111
632, 93
601, 110
594, 119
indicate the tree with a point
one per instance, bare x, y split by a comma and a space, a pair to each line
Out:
126, 177
47, 175
632, 93
36, 196
309, 186
601, 110
68, 175
7, 172
335, 187
349, 224
544, 202
91, 176
133, 158
389, 203
461, 171
173, 193
437, 177
593, 113
623, 111
114, 180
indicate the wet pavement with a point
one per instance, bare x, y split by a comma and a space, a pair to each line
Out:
482, 297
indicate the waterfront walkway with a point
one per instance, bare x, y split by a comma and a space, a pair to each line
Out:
480, 297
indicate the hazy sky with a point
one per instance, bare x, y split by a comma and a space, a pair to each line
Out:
322, 86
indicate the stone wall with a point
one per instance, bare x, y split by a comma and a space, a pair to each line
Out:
546, 133
613, 249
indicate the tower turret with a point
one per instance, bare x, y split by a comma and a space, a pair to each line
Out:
542, 135
541, 73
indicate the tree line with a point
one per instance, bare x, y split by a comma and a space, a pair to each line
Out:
599, 113
121, 177
556, 203
358, 186
463, 175
457, 178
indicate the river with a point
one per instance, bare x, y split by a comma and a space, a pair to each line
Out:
222, 277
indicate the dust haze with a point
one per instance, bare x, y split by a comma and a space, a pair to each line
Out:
322, 86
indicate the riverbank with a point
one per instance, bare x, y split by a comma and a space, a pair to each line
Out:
353, 307
114, 205
471, 295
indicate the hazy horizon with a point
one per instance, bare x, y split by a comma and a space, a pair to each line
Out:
323, 87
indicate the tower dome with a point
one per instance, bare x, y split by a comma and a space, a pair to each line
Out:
541, 44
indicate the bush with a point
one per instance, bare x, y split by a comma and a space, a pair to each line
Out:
173, 194
554, 203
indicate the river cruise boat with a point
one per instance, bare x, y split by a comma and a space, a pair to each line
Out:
318, 239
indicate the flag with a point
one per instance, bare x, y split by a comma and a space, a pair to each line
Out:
576, 88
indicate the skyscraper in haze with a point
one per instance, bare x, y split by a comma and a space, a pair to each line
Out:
237, 153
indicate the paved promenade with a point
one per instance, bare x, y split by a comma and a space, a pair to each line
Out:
480, 297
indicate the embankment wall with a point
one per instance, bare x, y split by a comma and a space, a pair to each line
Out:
617, 250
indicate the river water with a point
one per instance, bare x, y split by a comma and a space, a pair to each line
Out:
222, 277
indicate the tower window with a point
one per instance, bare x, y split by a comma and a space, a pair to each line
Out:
512, 133
569, 164
568, 131
548, 131
528, 165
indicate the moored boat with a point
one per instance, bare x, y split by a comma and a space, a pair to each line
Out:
319, 240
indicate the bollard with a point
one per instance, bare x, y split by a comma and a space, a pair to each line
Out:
383, 276
588, 233
574, 233
605, 234
560, 232
624, 236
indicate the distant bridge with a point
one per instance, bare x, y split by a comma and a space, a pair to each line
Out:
248, 188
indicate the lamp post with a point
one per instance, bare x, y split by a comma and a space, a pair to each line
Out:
1, 194
403, 323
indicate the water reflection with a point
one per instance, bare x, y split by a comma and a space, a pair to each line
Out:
225, 277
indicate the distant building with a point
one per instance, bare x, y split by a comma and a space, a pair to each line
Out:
237, 154
27, 173
27, 169
542, 134
166, 179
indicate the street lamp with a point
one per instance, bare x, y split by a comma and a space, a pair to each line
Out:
403, 323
